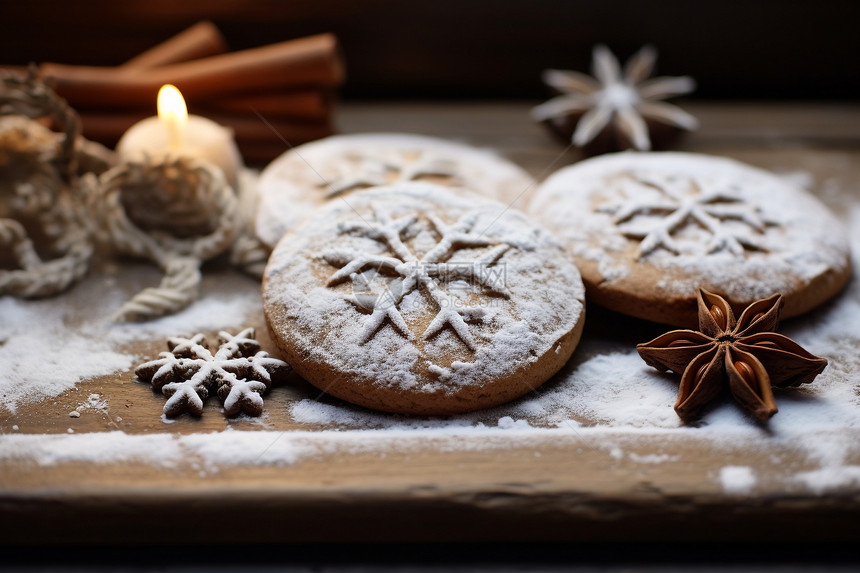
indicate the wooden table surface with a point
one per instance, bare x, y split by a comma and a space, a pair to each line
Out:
572, 490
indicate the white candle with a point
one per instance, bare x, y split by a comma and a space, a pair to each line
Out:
174, 133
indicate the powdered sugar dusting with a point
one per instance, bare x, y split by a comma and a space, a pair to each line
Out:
32, 370
829, 478
214, 312
737, 479
93, 402
653, 458
47, 348
159, 450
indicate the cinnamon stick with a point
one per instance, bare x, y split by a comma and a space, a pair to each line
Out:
302, 105
14, 71
252, 128
260, 153
294, 64
107, 128
305, 105
201, 40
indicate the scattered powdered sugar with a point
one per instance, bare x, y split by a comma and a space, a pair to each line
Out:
46, 348
160, 450
508, 423
737, 479
214, 312
340, 417
93, 402
828, 325
832, 453
211, 451
653, 458
606, 384
309, 411
831, 477
40, 356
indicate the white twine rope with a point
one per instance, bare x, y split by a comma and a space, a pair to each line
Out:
40, 189
178, 257
249, 253
45, 197
36, 278
30, 97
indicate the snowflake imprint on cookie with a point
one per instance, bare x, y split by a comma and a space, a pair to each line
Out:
658, 210
412, 273
239, 372
372, 170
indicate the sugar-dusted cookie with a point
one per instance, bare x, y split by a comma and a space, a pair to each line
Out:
417, 299
304, 178
648, 229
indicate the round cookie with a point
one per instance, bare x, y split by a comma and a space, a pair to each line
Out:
648, 229
417, 299
304, 178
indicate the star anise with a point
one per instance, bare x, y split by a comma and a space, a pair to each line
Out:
745, 355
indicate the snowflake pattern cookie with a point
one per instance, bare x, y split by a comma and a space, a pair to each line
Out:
417, 300
239, 372
308, 176
649, 229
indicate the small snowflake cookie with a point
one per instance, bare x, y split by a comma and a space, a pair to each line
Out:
417, 299
304, 178
649, 229
239, 372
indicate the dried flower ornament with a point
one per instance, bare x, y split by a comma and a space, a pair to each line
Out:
614, 109
743, 354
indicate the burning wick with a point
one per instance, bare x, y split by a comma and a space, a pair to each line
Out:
173, 114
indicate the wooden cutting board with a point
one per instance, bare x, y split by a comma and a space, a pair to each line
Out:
330, 484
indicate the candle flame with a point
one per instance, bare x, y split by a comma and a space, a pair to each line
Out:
171, 103
173, 113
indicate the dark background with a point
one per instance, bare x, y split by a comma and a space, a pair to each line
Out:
481, 48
